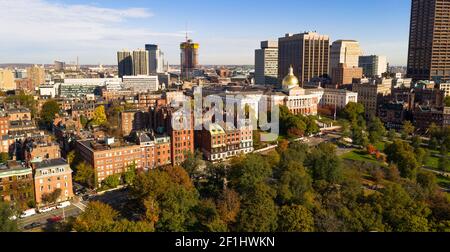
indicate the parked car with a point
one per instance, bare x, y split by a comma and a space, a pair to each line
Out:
55, 219
46, 209
28, 213
33, 225
63, 204
13, 217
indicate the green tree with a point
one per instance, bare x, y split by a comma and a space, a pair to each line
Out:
324, 164
249, 172
215, 180
422, 155
402, 154
427, 181
130, 174
208, 218
408, 129
401, 213
4, 157
433, 143
447, 101
258, 210
51, 198
99, 117
111, 182
97, 217
295, 218
228, 206
48, 112
376, 130
100, 217
444, 163
71, 156
392, 135
359, 136
192, 163
294, 185
6, 224
416, 142
172, 198
84, 121
84, 173
353, 111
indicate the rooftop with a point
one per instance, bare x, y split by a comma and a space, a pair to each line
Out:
51, 163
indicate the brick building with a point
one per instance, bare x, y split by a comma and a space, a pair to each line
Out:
345, 75
218, 143
133, 120
50, 175
109, 157
38, 151
24, 84
16, 184
182, 141
424, 116
393, 115
155, 150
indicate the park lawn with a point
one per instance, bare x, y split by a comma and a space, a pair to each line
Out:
443, 181
432, 163
358, 155
381, 146
435, 152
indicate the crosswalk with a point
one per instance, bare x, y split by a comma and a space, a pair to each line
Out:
80, 205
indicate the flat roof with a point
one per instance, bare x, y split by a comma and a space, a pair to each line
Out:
51, 163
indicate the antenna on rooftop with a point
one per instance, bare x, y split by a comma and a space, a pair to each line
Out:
186, 26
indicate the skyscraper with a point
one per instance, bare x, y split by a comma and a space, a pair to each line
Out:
266, 63
189, 59
156, 60
125, 63
345, 52
308, 54
373, 65
140, 62
429, 40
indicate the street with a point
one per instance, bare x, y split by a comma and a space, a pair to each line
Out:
42, 218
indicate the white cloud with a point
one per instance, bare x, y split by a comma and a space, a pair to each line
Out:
56, 30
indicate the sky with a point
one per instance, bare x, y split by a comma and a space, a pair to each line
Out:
41, 31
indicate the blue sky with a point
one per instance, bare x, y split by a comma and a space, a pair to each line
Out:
40, 31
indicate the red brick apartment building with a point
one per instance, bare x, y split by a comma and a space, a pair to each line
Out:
38, 151
50, 175
182, 141
109, 157
155, 150
16, 184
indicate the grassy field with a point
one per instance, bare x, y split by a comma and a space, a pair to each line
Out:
432, 162
380, 146
443, 181
358, 155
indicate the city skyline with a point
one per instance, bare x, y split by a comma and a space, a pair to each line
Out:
233, 31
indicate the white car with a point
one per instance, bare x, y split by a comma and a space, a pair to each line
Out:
28, 213
63, 204
46, 209
13, 218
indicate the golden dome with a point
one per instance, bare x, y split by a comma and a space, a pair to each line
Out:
290, 81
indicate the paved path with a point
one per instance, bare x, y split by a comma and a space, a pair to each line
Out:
445, 174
